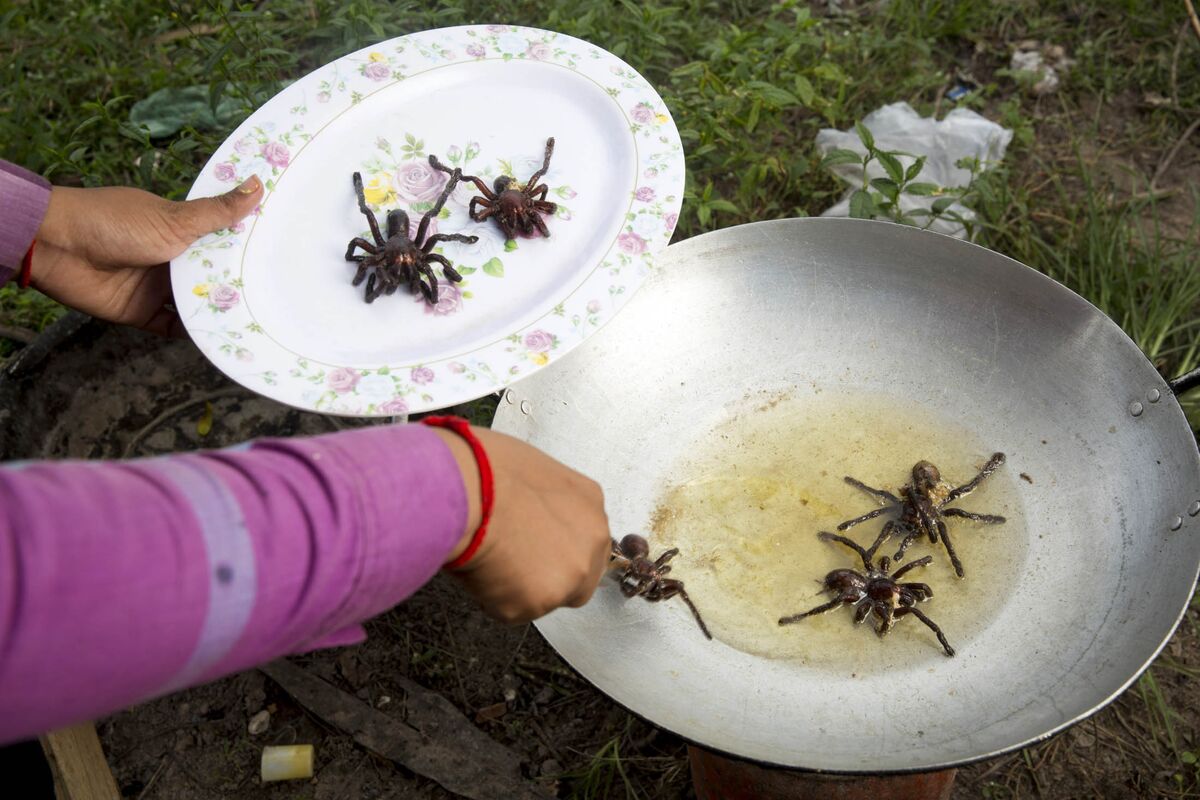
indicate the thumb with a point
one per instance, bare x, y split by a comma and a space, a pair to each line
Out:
208, 214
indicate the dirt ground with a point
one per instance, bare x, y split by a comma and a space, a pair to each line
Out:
107, 392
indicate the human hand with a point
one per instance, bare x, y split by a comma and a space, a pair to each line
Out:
105, 251
548, 541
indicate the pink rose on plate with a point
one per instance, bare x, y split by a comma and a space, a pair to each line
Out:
593, 307
417, 182
539, 51
449, 302
225, 172
245, 145
396, 407
456, 367
323, 97
223, 296
631, 243
421, 375
497, 28
645, 194
642, 113
671, 220
237, 227
539, 341
476, 51
377, 71
568, 193
343, 380
276, 154
651, 172
243, 354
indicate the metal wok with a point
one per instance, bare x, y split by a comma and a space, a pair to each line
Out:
1114, 537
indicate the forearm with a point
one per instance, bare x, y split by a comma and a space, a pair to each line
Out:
24, 198
119, 582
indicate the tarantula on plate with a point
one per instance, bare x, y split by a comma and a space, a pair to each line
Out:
397, 260
516, 208
639, 575
876, 592
922, 506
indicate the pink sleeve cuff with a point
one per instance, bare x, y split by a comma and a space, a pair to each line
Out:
24, 198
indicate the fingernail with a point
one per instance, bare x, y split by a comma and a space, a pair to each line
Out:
248, 186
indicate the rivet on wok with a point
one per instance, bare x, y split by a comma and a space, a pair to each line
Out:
1176, 523
508, 398
1154, 395
1194, 509
1136, 408
525, 407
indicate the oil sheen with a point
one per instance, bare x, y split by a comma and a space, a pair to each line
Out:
749, 500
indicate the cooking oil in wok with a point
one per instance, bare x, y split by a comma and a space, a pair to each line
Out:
751, 498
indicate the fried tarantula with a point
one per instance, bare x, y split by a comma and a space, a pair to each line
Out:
399, 259
922, 505
516, 208
875, 592
641, 576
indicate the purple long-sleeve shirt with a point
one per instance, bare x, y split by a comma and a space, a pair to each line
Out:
121, 581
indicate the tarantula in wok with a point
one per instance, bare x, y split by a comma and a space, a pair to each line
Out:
639, 575
922, 506
875, 592
398, 259
516, 208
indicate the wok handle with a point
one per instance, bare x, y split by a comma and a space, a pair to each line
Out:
1185, 382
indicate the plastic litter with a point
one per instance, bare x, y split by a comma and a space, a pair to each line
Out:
963, 134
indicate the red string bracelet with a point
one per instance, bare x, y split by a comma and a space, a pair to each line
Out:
27, 267
486, 485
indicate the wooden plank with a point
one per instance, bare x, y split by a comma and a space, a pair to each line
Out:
435, 740
78, 764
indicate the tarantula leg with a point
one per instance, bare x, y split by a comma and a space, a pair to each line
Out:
919, 614
945, 535
840, 600
882, 494
911, 535
920, 591
455, 177
362, 206
862, 612
480, 216
540, 224
371, 294
509, 231
995, 461
447, 237
667, 556
826, 536
850, 523
358, 241
545, 207
695, 612
360, 275
887, 619
920, 562
537, 176
447, 268
888, 529
532, 194
989, 519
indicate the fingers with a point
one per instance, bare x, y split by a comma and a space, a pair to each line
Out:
208, 214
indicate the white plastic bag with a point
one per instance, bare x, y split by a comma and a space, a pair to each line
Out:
962, 134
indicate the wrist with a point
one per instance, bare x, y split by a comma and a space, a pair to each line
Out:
469, 471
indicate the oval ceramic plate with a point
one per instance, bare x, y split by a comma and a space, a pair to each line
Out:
270, 301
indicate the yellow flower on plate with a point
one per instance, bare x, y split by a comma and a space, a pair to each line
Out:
541, 359
377, 57
378, 190
661, 119
200, 290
